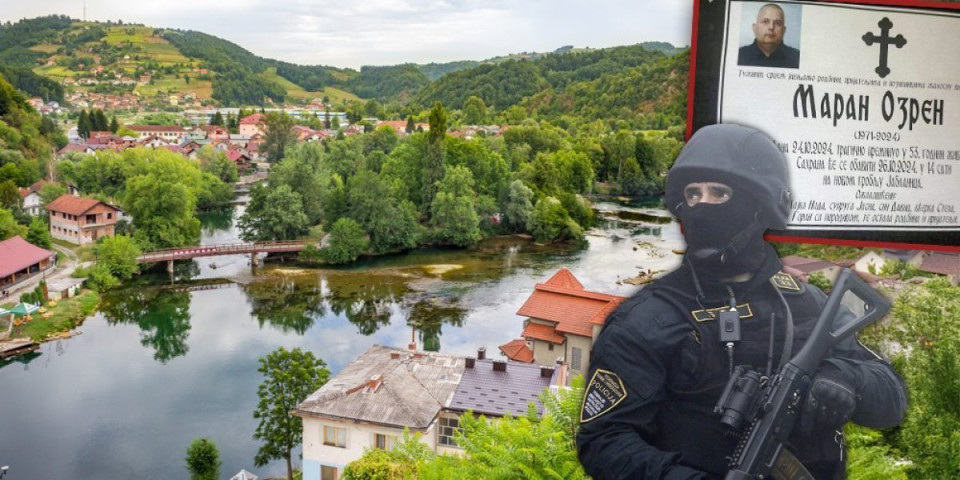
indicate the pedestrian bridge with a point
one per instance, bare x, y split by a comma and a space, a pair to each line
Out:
186, 253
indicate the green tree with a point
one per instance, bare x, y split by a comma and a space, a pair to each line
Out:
631, 178
217, 119
119, 254
162, 211
278, 136
51, 191
9, 226
98, 121
930, 434
347, 242
435, 159
83, 125
114, 125
273, 214
203, 460
411, 126
550, 222
9, 194
374, 203
306, 170
519, 206
474, 111
454, 214
39, 233
216, 162
289, 377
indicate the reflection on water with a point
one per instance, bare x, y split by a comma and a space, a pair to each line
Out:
163, 316
162, 364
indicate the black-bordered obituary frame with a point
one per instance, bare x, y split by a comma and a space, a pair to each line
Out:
869, 120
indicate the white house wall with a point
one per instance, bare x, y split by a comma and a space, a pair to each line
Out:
359, 438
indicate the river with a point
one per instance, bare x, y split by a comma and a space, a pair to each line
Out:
161, 364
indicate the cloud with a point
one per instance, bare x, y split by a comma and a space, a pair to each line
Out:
390, 32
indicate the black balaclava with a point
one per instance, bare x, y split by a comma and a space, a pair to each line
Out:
724, 240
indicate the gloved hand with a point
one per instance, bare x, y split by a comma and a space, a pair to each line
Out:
831, 402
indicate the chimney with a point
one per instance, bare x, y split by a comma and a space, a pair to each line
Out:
546, 372
470, 362
482, 353
418, 355
374, 382
394, 355
412, 346
499, 366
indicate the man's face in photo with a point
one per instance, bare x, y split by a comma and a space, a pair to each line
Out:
769, 28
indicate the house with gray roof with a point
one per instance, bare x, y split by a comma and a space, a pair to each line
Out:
372, 400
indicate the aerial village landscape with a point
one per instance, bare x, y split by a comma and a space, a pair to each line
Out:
427, 260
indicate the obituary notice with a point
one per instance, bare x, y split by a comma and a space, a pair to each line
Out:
868, 118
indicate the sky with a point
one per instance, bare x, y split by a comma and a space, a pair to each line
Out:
390, 32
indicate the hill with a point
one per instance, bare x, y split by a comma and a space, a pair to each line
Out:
161, 67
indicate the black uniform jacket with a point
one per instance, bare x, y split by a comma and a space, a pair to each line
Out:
783, 57
657, 369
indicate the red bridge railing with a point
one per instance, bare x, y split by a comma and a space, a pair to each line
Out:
183, 253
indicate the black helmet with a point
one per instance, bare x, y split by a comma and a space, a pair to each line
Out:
743, 158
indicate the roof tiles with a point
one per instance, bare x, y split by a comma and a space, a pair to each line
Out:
496, 393
17, 254
563, 300
409, 390
72, 204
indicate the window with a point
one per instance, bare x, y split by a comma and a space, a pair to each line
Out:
575, 358
550, 346
384, 442
109, 216
448, 426
328, 473
335, 437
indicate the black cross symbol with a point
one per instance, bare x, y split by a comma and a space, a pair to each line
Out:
884, 40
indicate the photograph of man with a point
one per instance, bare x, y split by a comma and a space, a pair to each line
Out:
768, 48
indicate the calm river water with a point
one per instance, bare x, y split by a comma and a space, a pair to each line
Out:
160, 365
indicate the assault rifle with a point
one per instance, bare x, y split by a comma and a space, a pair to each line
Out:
773, 407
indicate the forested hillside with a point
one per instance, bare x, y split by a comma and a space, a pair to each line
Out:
643, 85
26, 142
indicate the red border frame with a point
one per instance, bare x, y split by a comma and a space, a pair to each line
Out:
694, 33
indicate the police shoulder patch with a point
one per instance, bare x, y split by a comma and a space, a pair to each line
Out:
604, 392
785, 281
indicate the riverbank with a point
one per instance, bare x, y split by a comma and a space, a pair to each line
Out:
58, 319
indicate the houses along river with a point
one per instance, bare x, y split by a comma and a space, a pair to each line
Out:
162, 364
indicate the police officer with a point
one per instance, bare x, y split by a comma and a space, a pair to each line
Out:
658, 367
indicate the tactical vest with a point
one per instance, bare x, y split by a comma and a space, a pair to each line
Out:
686, 422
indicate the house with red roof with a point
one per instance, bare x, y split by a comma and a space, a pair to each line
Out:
243, 161
20, 260
563, 320
250, 125
215, 132
81, 220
